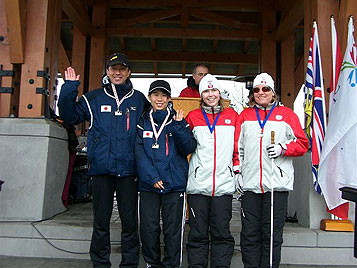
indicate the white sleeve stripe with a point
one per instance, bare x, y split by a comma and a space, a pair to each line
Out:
138, 126
183, 226
90, 111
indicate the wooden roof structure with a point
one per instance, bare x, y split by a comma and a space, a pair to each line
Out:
39, 38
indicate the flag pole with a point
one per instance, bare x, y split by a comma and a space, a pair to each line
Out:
272, 137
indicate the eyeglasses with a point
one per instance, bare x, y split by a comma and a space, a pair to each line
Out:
264, 89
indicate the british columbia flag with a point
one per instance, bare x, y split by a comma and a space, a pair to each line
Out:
315, 110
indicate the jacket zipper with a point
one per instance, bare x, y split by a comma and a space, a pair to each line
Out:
214, 164
261, 162
127, 119
167, 145
261, 154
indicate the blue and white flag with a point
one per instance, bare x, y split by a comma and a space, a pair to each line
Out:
338, 162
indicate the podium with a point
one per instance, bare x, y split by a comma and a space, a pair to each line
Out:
189, 104
350, 194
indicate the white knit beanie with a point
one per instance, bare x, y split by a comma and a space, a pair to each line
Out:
264, 79
208, 82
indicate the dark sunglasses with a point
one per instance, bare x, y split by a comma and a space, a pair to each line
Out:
265, 89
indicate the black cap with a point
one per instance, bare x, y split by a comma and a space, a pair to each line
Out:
161, 85
118, 58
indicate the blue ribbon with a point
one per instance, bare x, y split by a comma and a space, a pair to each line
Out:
211, 128
266, 119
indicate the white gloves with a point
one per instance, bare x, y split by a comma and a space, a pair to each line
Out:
274, 150
238, 179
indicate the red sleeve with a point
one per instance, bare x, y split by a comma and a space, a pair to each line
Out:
236, 163
300, 145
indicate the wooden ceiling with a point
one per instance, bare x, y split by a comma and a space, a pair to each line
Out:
162, 37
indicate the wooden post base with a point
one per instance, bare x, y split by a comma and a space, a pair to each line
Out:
336, 225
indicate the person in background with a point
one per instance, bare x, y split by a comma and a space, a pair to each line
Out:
256, 149
113, 112
198, 72
163, 142
211, 181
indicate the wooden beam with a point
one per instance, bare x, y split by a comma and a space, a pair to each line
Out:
287, 71
119, 15
241, 67
98, 46
347, 8
153, 16
215, 42
166, 56
79, 56
153, 40
290, 21
122, 43
16, 20
9, 102
184, 17
78, 14
156, 72
63, 61
183, 70
251, 5
212, 17
37, 57
268, 44
185, 33
184, 25
54, 35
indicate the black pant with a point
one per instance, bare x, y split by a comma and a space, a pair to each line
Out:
210, 215
104, 187
255, 234
172, 206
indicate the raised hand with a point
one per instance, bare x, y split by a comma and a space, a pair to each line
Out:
179, 115
70, 74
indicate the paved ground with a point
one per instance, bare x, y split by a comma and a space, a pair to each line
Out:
80, 215
13, 262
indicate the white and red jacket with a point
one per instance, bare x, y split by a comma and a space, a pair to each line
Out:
256, 166
212, 165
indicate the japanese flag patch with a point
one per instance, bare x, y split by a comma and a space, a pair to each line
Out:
147, 134
105, 108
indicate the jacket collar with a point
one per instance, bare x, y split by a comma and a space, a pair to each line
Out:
216, 109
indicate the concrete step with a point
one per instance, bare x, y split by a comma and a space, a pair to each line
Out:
68, 236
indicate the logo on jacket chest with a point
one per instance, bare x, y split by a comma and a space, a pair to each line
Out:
278, 117
105, 109
147, 134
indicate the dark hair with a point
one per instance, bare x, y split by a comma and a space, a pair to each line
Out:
199, 65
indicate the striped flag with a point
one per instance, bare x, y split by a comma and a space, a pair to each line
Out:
339, 153
340, 211
315, 104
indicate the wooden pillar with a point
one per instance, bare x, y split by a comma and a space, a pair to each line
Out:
54, 52
287, 71
9, 92
79, 56
347, 8
98, 46
321, 11
37, 57
268, 44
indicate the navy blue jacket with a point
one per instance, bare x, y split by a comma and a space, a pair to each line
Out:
111, 138
167, 163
